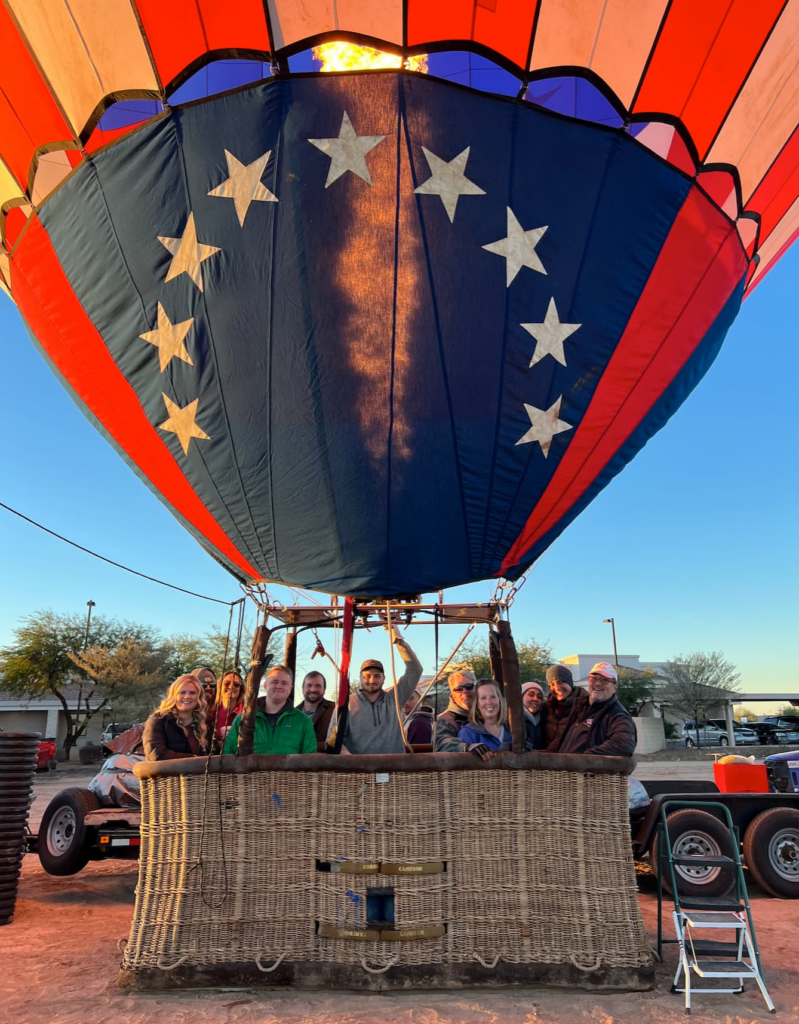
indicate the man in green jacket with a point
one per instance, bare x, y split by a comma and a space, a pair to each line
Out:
280, 728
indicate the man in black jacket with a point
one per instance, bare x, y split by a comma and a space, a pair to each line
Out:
602, 725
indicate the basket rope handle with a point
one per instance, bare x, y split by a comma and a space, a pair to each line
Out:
163, 967
379, 970
488, 967
277, 962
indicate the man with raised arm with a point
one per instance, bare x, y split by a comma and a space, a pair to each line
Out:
373, 725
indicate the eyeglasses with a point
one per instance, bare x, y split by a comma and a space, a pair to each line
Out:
466, 688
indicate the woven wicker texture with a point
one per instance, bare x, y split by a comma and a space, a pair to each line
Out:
539, 868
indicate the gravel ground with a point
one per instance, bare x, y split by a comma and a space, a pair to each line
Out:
61, 962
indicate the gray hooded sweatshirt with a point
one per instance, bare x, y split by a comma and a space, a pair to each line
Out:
372, 726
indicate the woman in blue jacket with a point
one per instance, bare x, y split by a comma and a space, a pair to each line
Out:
488, 719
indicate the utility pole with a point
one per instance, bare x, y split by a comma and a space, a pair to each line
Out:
89, 605
615, 652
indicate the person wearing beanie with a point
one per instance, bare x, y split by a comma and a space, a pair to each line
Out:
600, 725
563, 696
533, 703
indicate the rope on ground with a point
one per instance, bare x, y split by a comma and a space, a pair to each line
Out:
379, 970
276, 964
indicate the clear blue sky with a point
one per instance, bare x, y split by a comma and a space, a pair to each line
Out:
693, 547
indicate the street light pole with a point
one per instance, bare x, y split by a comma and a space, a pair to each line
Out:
89, 605
615, 652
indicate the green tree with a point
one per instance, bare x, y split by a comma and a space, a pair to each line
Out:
213, 650
697, 683
534, 660
38, 662
788, 709
740, 712
129, 677
636, 686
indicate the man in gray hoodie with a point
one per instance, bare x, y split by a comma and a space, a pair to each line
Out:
373, 726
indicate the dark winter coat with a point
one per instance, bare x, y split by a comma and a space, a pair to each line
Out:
419, 726
602, 728
556, 715
534, 729
165, 740
448, 724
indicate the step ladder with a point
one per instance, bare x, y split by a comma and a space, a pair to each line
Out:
734, 960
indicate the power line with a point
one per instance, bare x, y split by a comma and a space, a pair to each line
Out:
110, 561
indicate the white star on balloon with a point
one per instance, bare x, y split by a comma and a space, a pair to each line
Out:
550, 335
243, 184
545, 423
169, 339
347, 152
187, 253
518, 248
448, 181
182, 422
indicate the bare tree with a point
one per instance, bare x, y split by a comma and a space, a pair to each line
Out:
698, 682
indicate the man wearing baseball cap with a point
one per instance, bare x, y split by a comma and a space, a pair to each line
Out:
602, 725
372, 723
563, 696
533, 702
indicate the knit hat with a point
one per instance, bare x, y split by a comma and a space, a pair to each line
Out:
561, 673
532, 686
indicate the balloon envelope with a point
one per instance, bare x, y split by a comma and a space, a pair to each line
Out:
376, 333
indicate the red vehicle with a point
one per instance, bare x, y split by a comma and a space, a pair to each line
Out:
46, 759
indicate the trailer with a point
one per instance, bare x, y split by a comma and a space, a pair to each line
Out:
766, 827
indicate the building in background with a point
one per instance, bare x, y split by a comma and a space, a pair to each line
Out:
45, 715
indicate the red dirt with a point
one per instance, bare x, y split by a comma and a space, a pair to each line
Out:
60, 964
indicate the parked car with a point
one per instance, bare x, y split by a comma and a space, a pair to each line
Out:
46, 759
789, 722
114, 729
770, 734
709, 735
744, 734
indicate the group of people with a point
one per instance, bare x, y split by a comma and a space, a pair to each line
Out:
199, 716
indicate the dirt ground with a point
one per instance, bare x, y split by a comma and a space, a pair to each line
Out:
60, 963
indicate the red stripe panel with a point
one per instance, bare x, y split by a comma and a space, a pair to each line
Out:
180, 31
769, 266
697, 270
502, 25
702, 57
29, 116
778, 190
52, 311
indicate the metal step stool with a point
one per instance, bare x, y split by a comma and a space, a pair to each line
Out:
707, 958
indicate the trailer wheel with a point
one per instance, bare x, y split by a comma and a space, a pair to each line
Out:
771, 849
694, 834
64, 841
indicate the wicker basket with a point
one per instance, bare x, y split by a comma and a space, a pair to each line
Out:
524, 866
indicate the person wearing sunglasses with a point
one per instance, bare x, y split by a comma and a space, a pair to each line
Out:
450, 722
229, 702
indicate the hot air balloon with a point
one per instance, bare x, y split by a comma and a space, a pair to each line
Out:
376, 333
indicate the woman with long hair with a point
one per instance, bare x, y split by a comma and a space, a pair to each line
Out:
488, 718
178, 727
229, 702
